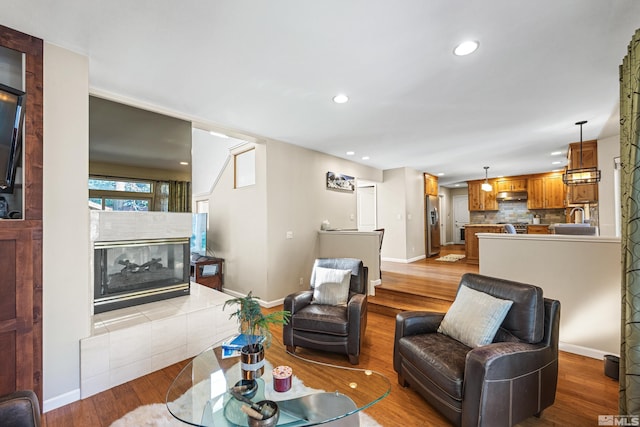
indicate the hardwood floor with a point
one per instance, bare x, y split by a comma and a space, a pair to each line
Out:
427, 284
584, 392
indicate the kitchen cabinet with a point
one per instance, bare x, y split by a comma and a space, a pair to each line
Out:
582, 193
511, 184
471, 243
480, 200
546, 192
430, 185
538, 229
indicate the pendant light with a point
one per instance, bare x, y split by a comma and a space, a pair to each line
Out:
581, 175
485, 185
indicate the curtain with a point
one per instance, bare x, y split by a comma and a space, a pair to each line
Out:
179, 196
630, 192
172, 196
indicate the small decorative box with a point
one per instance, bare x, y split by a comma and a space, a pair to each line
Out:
282, 378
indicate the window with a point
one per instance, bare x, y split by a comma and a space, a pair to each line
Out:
115, 194
245, 168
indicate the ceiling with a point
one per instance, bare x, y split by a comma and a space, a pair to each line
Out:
270, 69
131, 136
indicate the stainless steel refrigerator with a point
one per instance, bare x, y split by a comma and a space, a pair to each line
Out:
432, 225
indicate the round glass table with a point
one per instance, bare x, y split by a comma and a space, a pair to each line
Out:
320, 393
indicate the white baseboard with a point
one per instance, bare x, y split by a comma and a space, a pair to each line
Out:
372, 286
61, 400
584, 351
263, 303
404, 261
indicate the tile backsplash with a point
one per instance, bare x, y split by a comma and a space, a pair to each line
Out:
511, 212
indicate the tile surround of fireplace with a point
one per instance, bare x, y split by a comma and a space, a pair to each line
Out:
131, 342
127, 343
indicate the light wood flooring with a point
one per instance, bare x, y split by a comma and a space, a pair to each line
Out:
584, 392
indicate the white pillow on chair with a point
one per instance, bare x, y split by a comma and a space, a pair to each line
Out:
474, 317
331, 286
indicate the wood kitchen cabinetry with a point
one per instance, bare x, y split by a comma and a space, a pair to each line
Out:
511, 184
582, 193
471, 243
546, 191
430, 185
538, 229
480, 200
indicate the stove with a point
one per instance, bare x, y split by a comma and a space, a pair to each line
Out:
521, 227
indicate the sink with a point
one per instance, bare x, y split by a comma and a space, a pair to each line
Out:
575, 229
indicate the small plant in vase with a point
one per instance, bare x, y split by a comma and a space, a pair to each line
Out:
253, 325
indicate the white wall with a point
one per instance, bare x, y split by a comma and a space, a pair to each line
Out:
608, 149
582, 272
401, 214
298, 201
248, 226
415, 207
392, 215
65, 223
209, 155
237, 228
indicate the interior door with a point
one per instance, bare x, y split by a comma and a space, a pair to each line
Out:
460, 216
367, 208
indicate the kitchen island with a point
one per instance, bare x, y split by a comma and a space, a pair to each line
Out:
582, 272
471, 248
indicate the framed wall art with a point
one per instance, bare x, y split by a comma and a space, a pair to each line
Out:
336, 181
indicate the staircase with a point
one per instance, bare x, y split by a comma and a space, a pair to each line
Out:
426, 285
391, 302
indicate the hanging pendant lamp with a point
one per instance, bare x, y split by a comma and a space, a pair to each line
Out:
485, 185
581, 175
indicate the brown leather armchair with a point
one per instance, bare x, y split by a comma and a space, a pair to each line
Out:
20, 409
499, 384
339, 329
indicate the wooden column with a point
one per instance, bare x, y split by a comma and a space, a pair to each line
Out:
21, 241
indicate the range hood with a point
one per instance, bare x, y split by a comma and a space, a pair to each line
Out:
511, 196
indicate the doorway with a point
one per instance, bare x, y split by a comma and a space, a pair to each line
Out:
460, 217
366, 206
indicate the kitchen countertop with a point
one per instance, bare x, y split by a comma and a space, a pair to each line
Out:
484, 225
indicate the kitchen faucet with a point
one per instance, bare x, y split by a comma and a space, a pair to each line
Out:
577, 209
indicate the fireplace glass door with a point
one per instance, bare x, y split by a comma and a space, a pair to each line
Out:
136, 272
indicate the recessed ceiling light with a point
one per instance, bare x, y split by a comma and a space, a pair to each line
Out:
365, 157
350, 153
465, 48
219, 135
184, 163
556, 163
340, 98
441, 174
556, 153
457, 185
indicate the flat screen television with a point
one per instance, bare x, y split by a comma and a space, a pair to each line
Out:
11, 119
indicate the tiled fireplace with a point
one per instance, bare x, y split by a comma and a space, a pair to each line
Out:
126, 343
138, 257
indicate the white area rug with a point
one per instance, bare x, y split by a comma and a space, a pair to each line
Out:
157, 415
450, 258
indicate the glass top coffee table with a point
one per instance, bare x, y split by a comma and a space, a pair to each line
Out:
319, 393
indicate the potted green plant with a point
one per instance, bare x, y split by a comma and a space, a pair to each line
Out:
253, 325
